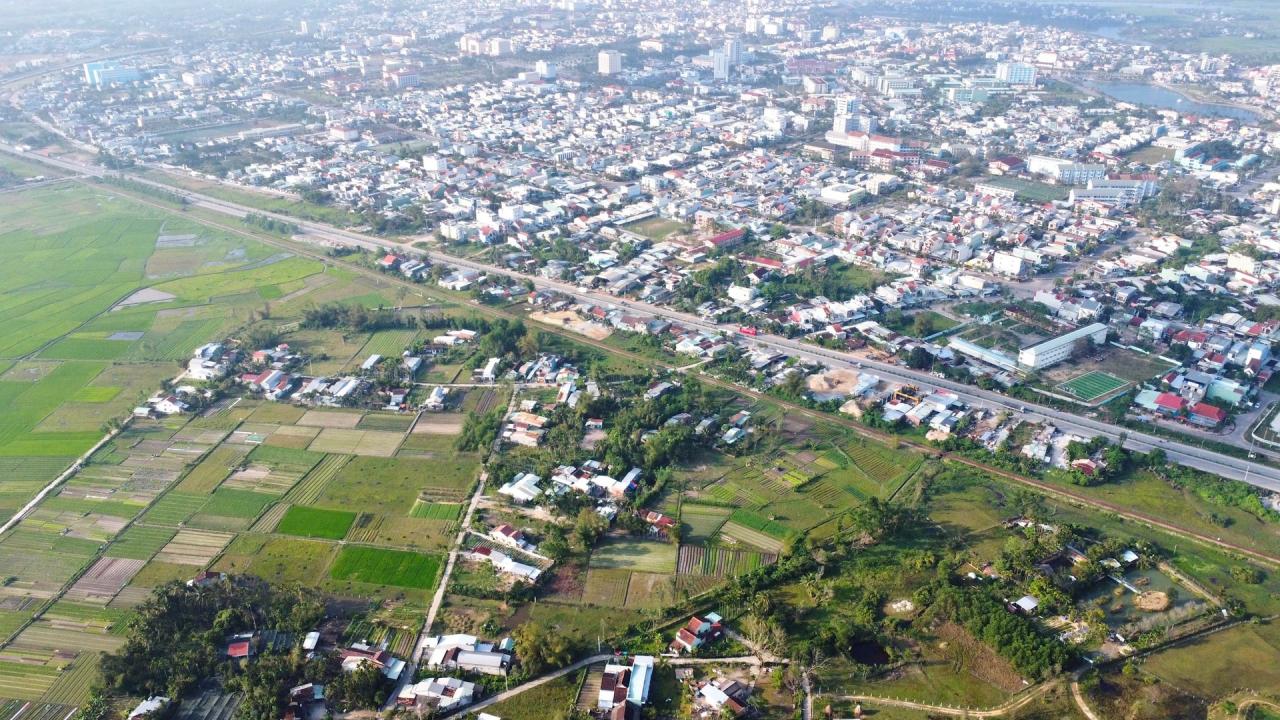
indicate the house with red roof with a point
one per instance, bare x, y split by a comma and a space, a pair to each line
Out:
1207, 415
697, 632
726, 239
1169, 403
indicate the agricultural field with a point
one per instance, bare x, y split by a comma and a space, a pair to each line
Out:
316, 522
393, 485
716, 561
277, 559
380, 566
109, 295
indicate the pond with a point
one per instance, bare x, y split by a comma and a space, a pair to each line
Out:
1120, 603
869, 652
1161, 97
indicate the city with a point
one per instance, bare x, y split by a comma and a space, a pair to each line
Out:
630, 358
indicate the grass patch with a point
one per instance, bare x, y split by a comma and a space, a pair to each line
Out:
629, 554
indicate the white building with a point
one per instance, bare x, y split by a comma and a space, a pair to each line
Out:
546, 70
1016, 73
609, 62
523, 488
1006, 263
1055, 350
1066, 172
719, 65
733, 51
443, 693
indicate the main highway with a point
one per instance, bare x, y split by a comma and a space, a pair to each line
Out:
1190, 455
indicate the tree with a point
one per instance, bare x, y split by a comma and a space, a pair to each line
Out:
539, 649
362, 689
588, 527
919, 359
530, 344
922, 325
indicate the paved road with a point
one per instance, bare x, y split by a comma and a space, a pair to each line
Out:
442, 586
1007, 708
1180, 452
603, 657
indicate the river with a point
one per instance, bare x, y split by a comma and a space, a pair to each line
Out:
1160, 97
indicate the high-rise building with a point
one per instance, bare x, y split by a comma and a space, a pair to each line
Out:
830, 33
720, 64
498, 47
304, 27
849, 116
609, 62
1016, 73
105, 73
733, 51
546, 70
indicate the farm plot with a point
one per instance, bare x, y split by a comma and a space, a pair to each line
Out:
229, 509
42, 562
107, 577
755, 521
629, 554
390, 422
36, 711
408, 532
297, 437
1093, 385
314, 482
392, 630
393, 485
880, 463
277, 559
76, 522
66, 638
24, 476
377, 443
381, 566
734, 534
388, 343
606, 587
660, 590
702, 521
74, 685
316, 522
211, 471
720, 562
424, 445
155, 574
277, 413
25, 681
193, 547
436, 510
271, 518
173, 509
330, 419
285, 466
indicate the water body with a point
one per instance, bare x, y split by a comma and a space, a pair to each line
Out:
1156, 96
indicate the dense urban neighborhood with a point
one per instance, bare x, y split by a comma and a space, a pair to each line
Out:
632, 359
